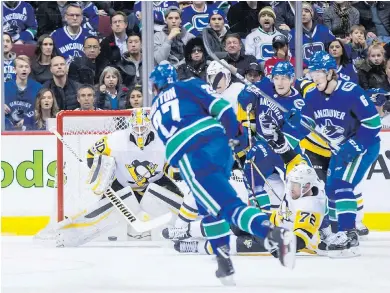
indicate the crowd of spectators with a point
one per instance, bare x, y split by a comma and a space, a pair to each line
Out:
87, 55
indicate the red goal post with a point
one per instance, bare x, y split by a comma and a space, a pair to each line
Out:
81, 129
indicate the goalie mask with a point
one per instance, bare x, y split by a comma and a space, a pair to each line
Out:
141, 133
301, 179
218, 77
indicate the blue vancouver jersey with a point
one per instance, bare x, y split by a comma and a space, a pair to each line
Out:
346, 113
69, 47
194, 22
263, 106
9, 70
90, 18
348, 72
159, 8
316, 41
187, 114
20, 21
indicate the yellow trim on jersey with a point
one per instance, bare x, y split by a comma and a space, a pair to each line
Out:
310, 146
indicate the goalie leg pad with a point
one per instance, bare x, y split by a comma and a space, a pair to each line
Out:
92, 222
101, 174
158, 200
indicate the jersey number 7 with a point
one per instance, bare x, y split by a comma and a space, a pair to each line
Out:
171, 107
305, 217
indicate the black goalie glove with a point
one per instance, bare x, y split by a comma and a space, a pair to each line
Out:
273, 134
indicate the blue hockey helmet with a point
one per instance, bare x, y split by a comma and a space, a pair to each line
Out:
162, 75
322, 61
283, 68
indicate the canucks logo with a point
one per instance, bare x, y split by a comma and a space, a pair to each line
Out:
267, 51
141, 172
200, 21
310, 48
333, 132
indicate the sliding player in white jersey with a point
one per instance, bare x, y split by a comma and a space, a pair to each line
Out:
131, 161
301, 211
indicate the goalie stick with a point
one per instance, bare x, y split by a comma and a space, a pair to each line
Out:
258, 91
132, 220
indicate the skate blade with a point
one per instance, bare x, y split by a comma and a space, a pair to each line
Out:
322, 252
228, 281
346, 253
363, 237
290, 243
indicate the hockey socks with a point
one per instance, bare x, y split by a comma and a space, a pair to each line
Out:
342, 205
250, 219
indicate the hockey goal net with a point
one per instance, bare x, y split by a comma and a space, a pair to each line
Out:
81, 130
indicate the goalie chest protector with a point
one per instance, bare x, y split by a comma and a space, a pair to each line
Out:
135, 167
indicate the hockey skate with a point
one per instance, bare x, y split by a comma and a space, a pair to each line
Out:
343, 244
187, 246
173, 233
362, 230
225, 269
325, 237
281, 243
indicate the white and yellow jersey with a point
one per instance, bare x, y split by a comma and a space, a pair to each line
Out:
134, 167
303, 216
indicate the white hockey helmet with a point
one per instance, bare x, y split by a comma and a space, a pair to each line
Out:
301, 179
215, 72
141, 133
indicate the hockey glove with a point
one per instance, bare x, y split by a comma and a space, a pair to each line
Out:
273, 135
349, 150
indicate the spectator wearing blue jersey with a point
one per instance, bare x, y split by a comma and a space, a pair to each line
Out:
9, 58
196, 16
372, 72
169, 43
112, 94
90, 17
130, 65
215, 32
19, 21
45, 51
339, 17
70, 39
345, 68
315, 36
19, 97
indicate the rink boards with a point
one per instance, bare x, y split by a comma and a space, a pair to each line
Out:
28, 169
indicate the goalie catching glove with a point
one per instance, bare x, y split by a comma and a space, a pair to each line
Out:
101, 174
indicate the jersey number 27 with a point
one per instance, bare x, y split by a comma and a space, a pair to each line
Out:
169, 108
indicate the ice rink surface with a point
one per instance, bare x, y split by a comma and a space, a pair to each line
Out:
146, 267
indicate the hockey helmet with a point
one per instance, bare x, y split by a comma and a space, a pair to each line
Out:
301, 179
283, 68
140, 123
215, 72
163, 75
321, 60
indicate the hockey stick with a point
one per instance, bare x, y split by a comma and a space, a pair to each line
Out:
248, 109
258, 91
245, 180
265, 179
132, 220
